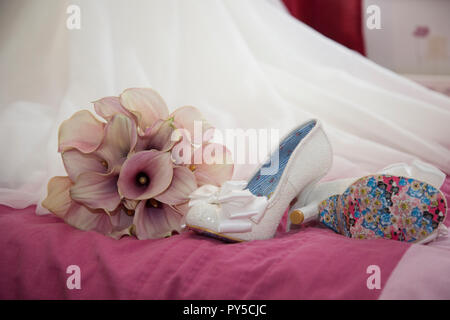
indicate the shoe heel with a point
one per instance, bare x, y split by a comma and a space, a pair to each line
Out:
299, 212
297, 216
307, 205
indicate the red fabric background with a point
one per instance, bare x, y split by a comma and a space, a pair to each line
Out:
339, 20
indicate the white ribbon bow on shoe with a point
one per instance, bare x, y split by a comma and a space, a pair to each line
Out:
235, 205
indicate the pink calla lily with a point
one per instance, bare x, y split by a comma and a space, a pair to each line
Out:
108, 107
145, 175
97, 190
86, 219
216, 165
122, 221
82, 131
59, 202
77, 163
119, 140
146, 104
155, 220
181, 209
186, 117
183, 184
158, 137
96, 174
58, 198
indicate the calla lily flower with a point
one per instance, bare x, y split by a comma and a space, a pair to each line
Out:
182, 185
59, 202
97, 190
216, 165
145, 175
122, 221
158, 137
94, 187
181, 209
146, 105
108, 107
155, 125
82, 131
186, 118
154, 219
119, 139
163, 135
77, 163
58, 198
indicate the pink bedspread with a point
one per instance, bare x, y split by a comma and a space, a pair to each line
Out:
313, 263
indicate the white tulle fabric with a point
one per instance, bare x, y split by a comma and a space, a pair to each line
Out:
244, 63
417, 170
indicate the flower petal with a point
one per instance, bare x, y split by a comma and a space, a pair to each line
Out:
85, 219
159, 136
155, 165
216, 165
175, 216
117, 234
96, 190
77, 163
152, 223
188, 118
144, 139
146, 104
181, 209
120, 219
58, 198
183, 152
109, 107
122, 223
130, 204
183, 184
120, 138
82, 131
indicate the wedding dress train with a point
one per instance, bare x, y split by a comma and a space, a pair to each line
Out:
244, 64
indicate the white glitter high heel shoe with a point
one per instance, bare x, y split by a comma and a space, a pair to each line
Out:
243, 211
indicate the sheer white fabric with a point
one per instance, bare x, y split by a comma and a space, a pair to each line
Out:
244, 64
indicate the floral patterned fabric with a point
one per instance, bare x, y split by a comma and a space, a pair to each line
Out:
385, 206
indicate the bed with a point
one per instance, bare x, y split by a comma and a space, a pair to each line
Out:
244, 64
313, 263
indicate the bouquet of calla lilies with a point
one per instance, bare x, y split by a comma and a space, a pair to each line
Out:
132, 171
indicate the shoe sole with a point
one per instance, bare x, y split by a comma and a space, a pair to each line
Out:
385, 206
213, 234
